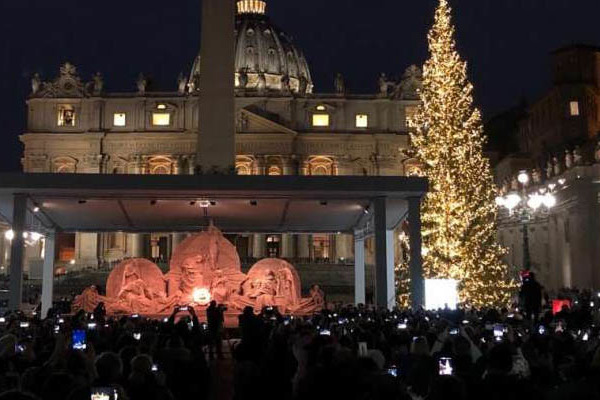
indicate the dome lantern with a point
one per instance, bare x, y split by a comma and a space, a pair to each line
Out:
251, 7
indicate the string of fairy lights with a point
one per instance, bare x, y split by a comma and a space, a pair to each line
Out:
459, 212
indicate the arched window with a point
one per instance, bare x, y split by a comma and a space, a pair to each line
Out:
274, 170
160, 166
321, 166
320, 170
242, 169
64, 165
65, 169
160, 169
243, 165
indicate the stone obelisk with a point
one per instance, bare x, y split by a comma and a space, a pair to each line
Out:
215, 149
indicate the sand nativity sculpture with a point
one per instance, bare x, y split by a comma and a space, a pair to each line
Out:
204, 267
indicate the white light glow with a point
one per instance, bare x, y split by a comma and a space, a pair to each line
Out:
535, 201
551, 186
362, 121
35, 236
201, 296
499, 201
441, 293
320, 120
204, 203
562, 181
9, 234
161, 119
512, 200
549, 200
120, 119
523, 178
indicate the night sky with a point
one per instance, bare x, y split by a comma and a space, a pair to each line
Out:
505, 41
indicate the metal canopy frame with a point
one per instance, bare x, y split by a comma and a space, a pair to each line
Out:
238, 204
50, 203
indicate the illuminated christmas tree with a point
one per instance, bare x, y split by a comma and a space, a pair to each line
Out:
459, 213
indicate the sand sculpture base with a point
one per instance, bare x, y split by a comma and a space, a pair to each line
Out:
204, 267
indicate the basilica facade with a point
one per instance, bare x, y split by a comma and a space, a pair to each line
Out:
284, 126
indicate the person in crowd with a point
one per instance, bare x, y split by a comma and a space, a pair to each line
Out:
531, 293
345, 352
215, 319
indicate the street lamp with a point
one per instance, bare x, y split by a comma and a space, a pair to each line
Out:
524, 206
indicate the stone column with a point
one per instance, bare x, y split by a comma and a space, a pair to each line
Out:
177, 239
258, 245
86, 250
333, 254
343, 246
359, 268
17, 251
391, 264
216, 134
303, 246
384, 273
135, 245
287, 246
304, 167
417, 282
177, 161
259, 167
48, 274
191, 164
289, 167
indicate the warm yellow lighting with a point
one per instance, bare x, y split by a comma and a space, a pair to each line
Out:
119, 119
161, 107
460, 210
251, 7
574, 108
201, 296
161, 119
66, 115
320, 120
362, 121
321, 108
410, 114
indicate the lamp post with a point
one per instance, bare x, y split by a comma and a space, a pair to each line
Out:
524, 206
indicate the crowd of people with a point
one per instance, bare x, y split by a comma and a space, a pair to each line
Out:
345, 352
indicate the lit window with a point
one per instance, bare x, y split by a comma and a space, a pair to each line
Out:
66, 116
119, 119
410, 114
320, 119
321, 108
161, 107
161, 119
274, 170
574, 108
362, 121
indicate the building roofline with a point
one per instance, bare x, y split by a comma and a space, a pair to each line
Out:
576, 46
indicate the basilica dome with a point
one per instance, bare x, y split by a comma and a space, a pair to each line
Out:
266, 60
